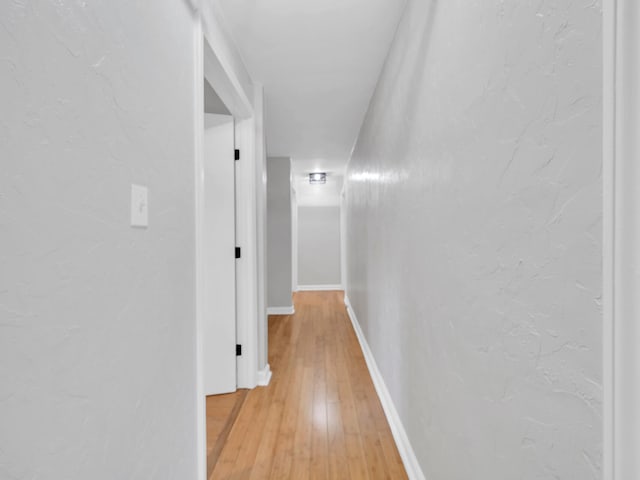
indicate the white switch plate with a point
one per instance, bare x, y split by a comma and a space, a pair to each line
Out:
139, 206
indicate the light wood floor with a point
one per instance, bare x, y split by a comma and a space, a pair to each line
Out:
222, 411
320, 416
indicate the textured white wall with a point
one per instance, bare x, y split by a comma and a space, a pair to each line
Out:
97, 320
318, 246
279, 241
474, 236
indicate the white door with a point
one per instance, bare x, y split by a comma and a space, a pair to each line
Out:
219, 333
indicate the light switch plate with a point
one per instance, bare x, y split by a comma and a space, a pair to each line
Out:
139, 206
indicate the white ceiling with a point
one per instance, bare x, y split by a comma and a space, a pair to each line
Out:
319, 61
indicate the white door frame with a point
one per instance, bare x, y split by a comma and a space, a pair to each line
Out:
621, 227
214, 62
264, 370
294, 233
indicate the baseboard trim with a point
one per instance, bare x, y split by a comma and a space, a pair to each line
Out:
411, 465
264, 376
281, 310
318, 288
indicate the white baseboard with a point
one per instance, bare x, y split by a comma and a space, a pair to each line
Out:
411, 465
264, 376
281, 310
318, 288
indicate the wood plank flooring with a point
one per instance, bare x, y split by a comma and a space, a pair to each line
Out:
320, 417
222, 411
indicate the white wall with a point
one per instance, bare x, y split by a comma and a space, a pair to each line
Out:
323, 195
317, 227
319, 246
279, 241
97, 320
474, 236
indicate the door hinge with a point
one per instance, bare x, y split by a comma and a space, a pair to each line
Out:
238, 350
238, 252
237, 154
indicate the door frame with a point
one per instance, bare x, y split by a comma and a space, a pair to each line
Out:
621, 231
214, 60
294, 234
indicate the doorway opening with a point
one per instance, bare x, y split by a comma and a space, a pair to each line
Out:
219, 333
226, 284
218, 255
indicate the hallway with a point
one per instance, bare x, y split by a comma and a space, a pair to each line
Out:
320, 416
190, 192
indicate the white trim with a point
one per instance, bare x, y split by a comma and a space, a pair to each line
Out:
294, 233
621, 230
264, 376
343, 238
201, 415
261, 209
281, 310
411, 465
247, 265
608, 239
318, 288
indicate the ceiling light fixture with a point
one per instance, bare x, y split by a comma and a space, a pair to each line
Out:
318, 178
